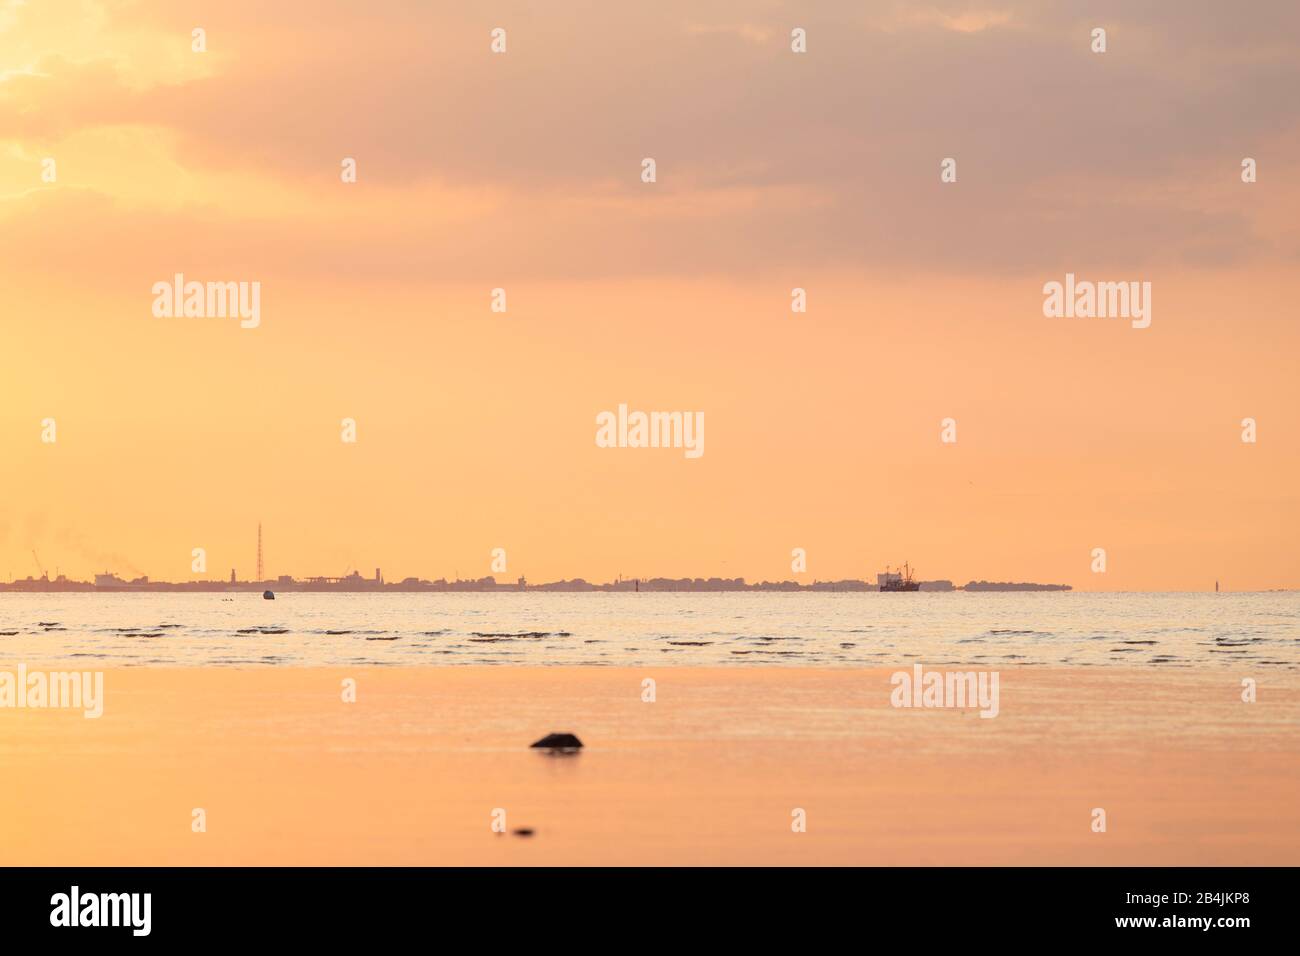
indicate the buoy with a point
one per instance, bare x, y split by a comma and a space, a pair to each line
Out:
268, 595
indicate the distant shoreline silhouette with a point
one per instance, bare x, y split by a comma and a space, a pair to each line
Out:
355, 583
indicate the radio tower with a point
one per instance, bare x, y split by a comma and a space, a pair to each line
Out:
259, 551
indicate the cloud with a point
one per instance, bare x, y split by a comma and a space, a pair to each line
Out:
766, 158
744, 31
966, 21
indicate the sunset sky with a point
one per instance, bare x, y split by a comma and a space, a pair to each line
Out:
775, 170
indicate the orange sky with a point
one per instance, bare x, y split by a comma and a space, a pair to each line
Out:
775, 170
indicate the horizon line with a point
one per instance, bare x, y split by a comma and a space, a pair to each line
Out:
354, 582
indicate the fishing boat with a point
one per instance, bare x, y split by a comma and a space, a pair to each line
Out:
897, 580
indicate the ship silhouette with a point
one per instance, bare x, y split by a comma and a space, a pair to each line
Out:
897, 580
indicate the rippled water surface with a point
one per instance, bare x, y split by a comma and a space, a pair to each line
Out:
812, 629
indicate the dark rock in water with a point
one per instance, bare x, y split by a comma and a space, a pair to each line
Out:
523, 831
268, 595
559, 742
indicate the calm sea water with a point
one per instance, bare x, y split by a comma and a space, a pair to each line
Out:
819, 630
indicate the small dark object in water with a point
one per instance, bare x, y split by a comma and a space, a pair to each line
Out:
268, 595
523, 831
559, 742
